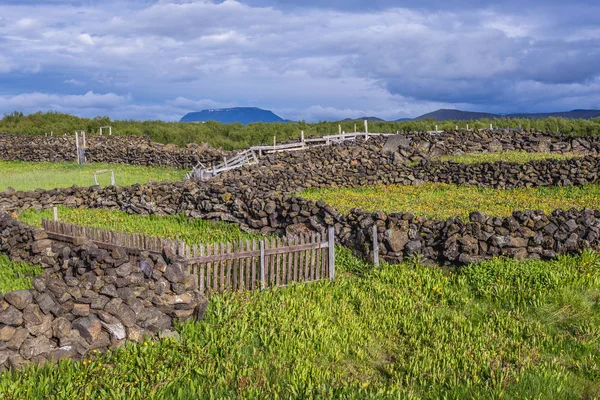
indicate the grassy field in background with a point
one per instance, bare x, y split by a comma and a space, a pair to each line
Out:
16, 275
508, 156
46, 175
191, 231
500, 329
436, 200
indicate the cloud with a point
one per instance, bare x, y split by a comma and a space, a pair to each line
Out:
313, 60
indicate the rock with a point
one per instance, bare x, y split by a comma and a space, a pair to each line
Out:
396, 239
124, 270
40, 245
176, 273
18, 338
11, 316
19, 298
113, 326
6, 333
47, 304
109, 290
81, 310
518, 242
61, 327
155, 320
88, 327
62, 352
35, 346
413, 247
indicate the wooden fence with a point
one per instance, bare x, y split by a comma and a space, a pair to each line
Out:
244, 265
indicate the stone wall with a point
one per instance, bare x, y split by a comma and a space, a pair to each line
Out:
416, 146
261, 198
88, 298
134, 150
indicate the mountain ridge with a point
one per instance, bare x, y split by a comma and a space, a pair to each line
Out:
243, 115
248, 115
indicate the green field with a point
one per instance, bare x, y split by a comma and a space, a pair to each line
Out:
191, 231
46, 175
443, 201
500, 329
16, 275
507, 156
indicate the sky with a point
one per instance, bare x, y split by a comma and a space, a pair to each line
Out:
305, 60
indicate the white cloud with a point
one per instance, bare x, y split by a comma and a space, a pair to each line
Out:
304, 62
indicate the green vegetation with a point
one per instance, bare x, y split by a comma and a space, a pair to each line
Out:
507, 156
499, 329
16, 275
438, 200
238, 136
46, 175
191, 231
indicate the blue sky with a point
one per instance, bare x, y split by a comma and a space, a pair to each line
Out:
309, 60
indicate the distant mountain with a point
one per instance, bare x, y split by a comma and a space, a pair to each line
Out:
243, 115
403, 119
372, 119
573, 114
458, 115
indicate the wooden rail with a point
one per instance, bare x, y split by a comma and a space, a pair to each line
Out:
248, 156
219, 267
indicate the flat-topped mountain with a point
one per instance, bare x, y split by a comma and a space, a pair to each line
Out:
459, 115
243, 115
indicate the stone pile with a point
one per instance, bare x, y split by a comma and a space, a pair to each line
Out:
134, 150
88, 298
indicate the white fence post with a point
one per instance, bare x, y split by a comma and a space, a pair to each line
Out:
262, 264
77, 146
375, 247
366, 126
331, 244
302, 137
55, 211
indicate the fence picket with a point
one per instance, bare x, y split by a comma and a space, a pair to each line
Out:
253, 266
222, 268
231, 280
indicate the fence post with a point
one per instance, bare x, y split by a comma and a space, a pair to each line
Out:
331, 244
366, 127
339, 129
262, 264
375, 247
77, 146
55, 211
302, 137
274, 142
491, 127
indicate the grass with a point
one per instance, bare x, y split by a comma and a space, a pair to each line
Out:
514, 156
443, 201
500, 329
46, 175
191, 231
16, 275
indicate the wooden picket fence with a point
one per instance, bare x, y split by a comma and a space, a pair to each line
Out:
240, 266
